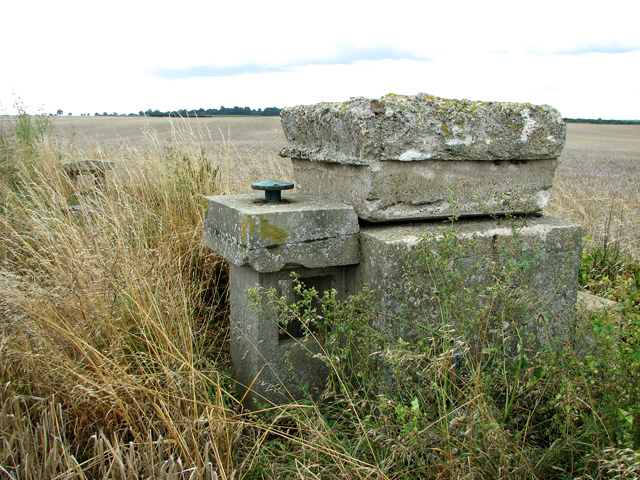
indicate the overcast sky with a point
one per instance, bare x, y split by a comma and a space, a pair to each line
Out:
582, 57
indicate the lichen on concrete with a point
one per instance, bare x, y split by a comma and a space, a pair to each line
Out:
362, 130
273, 232
304, 231
395, 158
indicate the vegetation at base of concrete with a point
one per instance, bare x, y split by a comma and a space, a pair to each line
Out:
609, 271
113, 344
463, 390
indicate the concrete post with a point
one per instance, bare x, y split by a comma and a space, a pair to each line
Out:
265, 243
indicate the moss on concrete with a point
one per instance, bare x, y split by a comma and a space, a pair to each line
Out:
273, 232
267, 230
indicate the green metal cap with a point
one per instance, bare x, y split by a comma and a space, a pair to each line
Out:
272, 189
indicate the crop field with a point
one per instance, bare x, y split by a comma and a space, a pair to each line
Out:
135, 131
114, 328
597, 180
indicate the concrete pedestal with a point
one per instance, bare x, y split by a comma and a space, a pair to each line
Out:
265, 244
301, 231
269, 365
408, 160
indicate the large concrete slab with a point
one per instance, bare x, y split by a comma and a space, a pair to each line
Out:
411, 157
301, 231
421, 127
536, 258
400, 191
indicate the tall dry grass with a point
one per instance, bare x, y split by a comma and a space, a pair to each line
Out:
113, 352
600, 189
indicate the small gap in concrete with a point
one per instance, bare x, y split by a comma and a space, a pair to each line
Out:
293, 328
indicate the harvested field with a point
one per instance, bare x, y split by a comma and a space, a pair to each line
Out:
597, 181
135, 131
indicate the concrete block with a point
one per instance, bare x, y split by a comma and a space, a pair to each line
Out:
589, 306
547, 249
421, 127
405, 157
400, 191
592, 304
89, 167
301, 231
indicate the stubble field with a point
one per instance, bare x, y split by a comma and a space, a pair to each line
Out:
597, 181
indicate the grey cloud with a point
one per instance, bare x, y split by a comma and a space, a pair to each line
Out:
345, 55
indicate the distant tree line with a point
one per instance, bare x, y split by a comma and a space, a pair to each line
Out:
210, 112
601, 121
200, 112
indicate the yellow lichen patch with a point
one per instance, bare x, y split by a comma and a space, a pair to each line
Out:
395, 95
273, 232
247, 224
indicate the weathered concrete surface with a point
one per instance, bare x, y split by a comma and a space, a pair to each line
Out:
539, 254
421, 127
302, 231
270, 370
394, 191
95, 169
411, 157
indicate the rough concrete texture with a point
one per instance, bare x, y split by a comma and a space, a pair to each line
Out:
407, 157
393, 191
270, 370
302, 231
421, 127
544, 251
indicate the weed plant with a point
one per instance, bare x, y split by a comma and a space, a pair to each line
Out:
114, 361
462, 388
